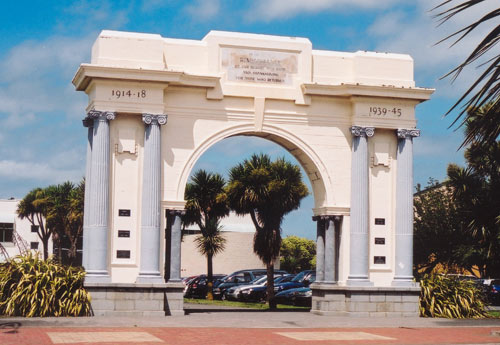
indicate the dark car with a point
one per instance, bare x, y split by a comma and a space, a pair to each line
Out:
239, 278
299, 296
494, 292
197, 287
258, 291
303, 279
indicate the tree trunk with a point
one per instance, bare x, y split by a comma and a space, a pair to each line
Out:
210, 275
270, 285
45, 244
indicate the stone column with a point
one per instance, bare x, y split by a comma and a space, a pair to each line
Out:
175, 251
151, 193
330, 249
320, 248
89, 123
404, 208
97, 260
359, 240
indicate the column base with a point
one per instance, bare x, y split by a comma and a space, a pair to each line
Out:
334, 300
145, 278
358, 281
404, 282
97, 277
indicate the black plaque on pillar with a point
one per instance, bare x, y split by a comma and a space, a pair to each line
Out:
123, 213
379, 240
123, 233
379, 260
379, 221
123, 254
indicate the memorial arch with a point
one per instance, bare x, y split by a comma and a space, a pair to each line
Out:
156, 104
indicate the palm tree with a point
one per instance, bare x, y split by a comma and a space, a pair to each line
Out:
475, 189
206, 204
486, 88
34, 208
267, 191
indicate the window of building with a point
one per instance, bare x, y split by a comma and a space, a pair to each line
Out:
6, 232
34, 245
34, 228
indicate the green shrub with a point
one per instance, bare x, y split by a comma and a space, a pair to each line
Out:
450, 297
30, 286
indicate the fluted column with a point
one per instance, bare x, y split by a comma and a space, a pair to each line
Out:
330, 247
175, 245
404, 208
320, 248
97, 261
151, 188
89, 123
359, 241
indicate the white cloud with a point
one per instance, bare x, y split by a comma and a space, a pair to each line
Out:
267, 10
418, 32
202, 10
43, 172
37, 79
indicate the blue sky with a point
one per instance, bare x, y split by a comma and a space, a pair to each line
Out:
42, 140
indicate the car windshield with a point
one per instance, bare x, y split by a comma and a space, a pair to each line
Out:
258, 280
299, 277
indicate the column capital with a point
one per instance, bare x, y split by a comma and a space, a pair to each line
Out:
88, 122
359, 131
154, 119
327, 217
176, 212
408, 133
101, 115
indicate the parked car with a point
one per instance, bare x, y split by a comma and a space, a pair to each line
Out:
303, 279
197, 287
256, 291
239, 278
494, 292
299, 296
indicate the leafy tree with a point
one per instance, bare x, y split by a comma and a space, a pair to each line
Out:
475, 189
486, 88
34, 208
267, 191
206, 204
439, 236
297, 254
458, 223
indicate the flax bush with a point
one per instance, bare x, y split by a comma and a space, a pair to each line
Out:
450, 297
30, 286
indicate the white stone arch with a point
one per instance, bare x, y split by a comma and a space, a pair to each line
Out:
310, 161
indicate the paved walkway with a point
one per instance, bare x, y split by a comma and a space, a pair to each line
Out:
247, 327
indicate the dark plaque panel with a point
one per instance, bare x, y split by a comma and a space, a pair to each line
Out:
123, 254
123, 233
379, 221
124, 213
379, 260
379, 240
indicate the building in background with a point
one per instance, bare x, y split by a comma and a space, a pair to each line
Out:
17, 234
238, 254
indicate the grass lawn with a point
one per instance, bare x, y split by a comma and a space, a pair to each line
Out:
248, 305
494, 313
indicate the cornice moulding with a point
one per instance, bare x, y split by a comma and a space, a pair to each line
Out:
350, 90
87, 72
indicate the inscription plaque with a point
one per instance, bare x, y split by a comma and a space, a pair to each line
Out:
379, 240
123, 233
123, 254
379, 260
379, 221
259, 66
123, 213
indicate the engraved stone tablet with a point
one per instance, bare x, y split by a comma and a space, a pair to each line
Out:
259, 66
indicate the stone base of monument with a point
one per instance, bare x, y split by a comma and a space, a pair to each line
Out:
117, 299
365, 301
